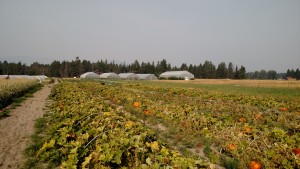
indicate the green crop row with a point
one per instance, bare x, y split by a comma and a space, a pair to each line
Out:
11, 88
86, 130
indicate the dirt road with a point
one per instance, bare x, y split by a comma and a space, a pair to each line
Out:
16, 129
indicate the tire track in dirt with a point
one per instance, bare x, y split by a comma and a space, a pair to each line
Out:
15, 130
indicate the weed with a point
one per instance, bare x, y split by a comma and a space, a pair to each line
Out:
36, 143
30, 164
229, 163
4, 114
185, 152
40, 125
209, 152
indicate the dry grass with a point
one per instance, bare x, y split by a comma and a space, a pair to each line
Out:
249, 83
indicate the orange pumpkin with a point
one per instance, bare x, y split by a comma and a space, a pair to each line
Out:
283, 109
254, 165
147, 112
296, 151
231, 146
136, 104
248, 129
242, 119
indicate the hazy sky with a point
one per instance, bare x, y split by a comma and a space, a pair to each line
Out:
259, 34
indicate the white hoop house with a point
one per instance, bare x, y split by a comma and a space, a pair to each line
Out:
90, 75
146, 77
110, 75
128, 76
177, 74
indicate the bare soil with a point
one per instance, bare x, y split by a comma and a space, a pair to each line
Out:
15, 130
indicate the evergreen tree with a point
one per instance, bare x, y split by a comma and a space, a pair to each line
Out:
206, 71
153, 68
183, 66
163, 65
37, 69
293, 73
230, 71
242, 72
297, 74
263, 74
135, 67
236, 73
63, 69
1, 68
86, 66
271, 74
53, 70
222, 71
256, 75
169, 67
200, 69
288, 73
213, 71
191, 69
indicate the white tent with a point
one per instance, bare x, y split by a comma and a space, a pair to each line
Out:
146, 77
89, 75
128, 76
177, 74
110, 75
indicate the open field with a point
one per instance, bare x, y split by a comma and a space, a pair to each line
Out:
141, 124
248, 83
277, 89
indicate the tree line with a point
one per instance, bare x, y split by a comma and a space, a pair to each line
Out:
75, 68
293, 73
272, 74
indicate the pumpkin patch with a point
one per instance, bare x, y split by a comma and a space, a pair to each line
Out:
114, 127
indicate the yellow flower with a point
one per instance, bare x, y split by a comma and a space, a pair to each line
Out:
129, 124
154, 146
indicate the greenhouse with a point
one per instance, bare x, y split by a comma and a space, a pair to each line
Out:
40, 78
128, 76
110, 75
89, 75
177, 75
146, 77
14, 76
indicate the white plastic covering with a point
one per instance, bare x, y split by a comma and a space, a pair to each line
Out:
90, 75
146, 77
40, 78
110, 75
178, 74
15, 76
128, 76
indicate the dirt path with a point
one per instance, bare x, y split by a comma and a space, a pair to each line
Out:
16, 129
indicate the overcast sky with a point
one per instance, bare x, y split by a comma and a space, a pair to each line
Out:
259, 34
